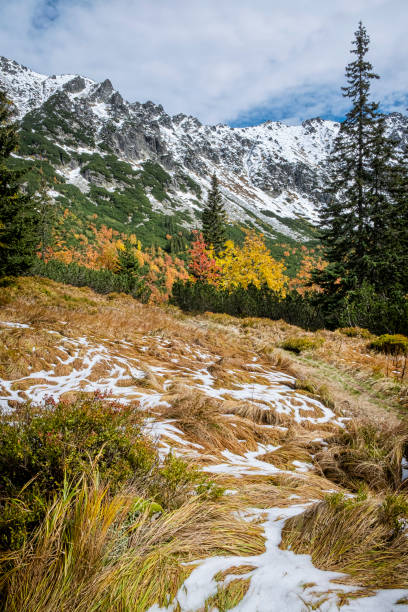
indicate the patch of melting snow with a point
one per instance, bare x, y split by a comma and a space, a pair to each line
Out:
404, 468
118, 368
248, 463
282, 581
13, 324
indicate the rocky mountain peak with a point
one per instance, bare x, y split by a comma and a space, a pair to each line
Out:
102, 92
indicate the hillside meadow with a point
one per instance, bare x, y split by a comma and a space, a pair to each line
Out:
156, 460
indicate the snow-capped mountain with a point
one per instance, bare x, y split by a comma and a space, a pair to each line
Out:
271, 175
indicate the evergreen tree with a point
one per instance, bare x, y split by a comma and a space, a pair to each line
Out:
385, 203
398, 223
48, 211
132, 272
214, 218
349, 230
18, 216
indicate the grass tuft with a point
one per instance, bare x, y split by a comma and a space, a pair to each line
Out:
364, 537
365, 453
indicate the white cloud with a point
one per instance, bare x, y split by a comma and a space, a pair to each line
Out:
216, 59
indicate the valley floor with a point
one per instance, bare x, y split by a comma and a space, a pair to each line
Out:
220, 393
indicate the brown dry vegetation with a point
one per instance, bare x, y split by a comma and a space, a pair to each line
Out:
204, 421
362, 536
356, 380
365, 453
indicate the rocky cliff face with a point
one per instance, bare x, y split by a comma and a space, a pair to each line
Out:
272, 175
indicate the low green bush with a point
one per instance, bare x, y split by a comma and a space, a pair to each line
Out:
177, 479
44, 447
301, 343
366, 307
392, 344
357, 313
41, 446
101, 281
251, 302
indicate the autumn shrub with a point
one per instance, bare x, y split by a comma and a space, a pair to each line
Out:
251, 264
301, 343
176, 480
392, 344
355, 332
41, 446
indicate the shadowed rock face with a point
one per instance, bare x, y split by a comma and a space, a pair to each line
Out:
280, 168
102, 92
76, 85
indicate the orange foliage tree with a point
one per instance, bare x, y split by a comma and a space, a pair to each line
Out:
311, 260
160, 270
202, 265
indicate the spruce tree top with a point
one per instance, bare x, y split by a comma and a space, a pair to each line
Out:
359, 73
362, 219
346, 215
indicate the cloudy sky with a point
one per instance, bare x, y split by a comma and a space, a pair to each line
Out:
230, 61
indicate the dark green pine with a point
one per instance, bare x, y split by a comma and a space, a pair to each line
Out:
356, 230
214, 218
18, 214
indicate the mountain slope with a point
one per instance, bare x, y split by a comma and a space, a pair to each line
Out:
96, 144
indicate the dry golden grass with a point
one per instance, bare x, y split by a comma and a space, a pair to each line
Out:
203, 420
365, 538
93, 553
279, 490
366, 453
235, 570
40, 302
356, 378
22, 350
227, 596
257, 414
284, 456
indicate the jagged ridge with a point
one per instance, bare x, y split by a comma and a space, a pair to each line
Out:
272, 175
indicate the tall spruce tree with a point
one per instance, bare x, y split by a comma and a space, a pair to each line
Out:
18, 215
385, 227
214, 218
397, 223
360, 171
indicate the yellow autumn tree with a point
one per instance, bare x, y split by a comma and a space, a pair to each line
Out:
251, 263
